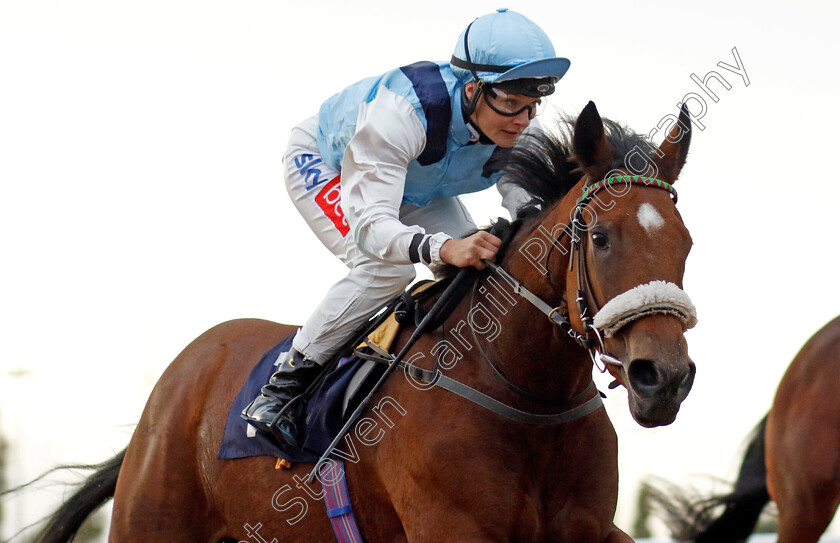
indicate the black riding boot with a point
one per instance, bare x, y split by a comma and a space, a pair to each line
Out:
267, 412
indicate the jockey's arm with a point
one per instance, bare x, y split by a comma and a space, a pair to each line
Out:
388, 136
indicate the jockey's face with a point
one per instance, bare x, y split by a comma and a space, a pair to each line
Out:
503, 130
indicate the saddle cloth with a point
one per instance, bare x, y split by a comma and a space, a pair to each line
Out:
351, 379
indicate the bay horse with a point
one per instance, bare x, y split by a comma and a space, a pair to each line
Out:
793, 457
445, 468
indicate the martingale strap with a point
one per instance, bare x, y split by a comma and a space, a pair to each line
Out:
458, 388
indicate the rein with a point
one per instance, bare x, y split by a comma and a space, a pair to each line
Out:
591, 339
501, 377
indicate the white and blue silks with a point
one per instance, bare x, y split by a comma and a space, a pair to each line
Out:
404, 153
401, 138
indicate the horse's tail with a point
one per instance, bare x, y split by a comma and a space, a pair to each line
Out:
97, 489
693, 520
746, 501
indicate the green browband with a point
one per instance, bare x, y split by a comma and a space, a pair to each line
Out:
590, 190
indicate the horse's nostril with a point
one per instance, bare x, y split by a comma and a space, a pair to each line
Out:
688, 380
643, 374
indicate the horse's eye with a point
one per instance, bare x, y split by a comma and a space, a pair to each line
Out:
601, 241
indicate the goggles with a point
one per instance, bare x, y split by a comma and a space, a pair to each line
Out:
511, 105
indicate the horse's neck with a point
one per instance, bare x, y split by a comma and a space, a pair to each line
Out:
517, 338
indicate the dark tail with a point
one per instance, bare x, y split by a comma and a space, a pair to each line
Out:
97, 489
691, 519
746, 502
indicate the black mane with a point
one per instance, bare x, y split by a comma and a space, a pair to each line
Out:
543, 163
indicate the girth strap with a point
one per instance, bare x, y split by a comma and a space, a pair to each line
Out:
339, 507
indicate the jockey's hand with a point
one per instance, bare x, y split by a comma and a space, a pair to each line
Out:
471, 250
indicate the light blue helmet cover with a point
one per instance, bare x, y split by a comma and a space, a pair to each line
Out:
503, 46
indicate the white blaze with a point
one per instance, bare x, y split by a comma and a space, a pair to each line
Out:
649, 218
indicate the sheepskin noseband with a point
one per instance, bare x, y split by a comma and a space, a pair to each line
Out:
653, 297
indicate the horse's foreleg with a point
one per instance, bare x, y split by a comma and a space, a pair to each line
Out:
618, 536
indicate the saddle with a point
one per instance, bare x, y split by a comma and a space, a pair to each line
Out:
334, 398
344, 383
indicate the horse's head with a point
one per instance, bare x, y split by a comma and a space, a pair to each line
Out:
631, 258
608, 252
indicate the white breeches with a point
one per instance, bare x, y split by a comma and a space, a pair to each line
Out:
369, 284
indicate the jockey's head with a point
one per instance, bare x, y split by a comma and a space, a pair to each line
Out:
508, 60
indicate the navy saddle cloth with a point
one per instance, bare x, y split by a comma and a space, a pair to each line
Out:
324, 413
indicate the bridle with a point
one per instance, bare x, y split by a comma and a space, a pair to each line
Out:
661, 298
591, 339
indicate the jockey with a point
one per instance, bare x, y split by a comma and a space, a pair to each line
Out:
377, 172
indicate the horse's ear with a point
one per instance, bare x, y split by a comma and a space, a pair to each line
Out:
592, 150
672, 153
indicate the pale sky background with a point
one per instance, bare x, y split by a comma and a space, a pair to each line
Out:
142, 199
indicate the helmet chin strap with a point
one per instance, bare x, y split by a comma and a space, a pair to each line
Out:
467, 108
468, 105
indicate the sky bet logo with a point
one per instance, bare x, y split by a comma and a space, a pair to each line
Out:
329, 197
329, 200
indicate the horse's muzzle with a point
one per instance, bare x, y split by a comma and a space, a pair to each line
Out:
657, 389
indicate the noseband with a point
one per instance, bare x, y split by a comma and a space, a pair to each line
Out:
599, 322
